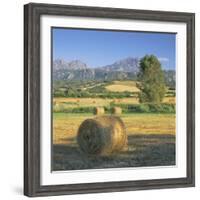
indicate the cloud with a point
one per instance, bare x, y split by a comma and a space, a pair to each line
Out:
163, 59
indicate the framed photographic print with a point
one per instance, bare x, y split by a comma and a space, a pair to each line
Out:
109, 99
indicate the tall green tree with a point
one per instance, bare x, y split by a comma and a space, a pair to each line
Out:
151, 80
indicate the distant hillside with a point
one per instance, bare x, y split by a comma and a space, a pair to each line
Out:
125, 69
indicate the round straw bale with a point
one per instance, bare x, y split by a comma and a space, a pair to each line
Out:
102, 135
116, 110
98, 111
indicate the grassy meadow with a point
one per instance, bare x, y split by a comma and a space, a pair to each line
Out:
151, 135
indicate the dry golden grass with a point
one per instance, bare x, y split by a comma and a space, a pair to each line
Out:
65, 126
99, 102
122, 86
151, 137
150, 123
130, 83
83, 101
170, 100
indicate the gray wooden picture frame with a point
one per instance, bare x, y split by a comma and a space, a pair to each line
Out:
32, 14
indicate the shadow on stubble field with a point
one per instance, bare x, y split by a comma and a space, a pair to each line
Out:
143, 151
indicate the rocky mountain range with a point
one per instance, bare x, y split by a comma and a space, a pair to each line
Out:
126, 65
127, 68
77, 70
59, 64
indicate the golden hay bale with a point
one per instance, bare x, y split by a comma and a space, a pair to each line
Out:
102, 135
116, 110
99, 111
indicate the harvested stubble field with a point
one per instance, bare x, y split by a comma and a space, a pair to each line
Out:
151, 142
84, 102
121, 86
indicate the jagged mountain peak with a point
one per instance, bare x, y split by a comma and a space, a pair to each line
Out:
77, 65
59, 64
78, 70
129, 64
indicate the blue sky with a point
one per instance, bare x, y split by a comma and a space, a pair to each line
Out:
99, 48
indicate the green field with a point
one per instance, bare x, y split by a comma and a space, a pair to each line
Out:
84, 97
103, 89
